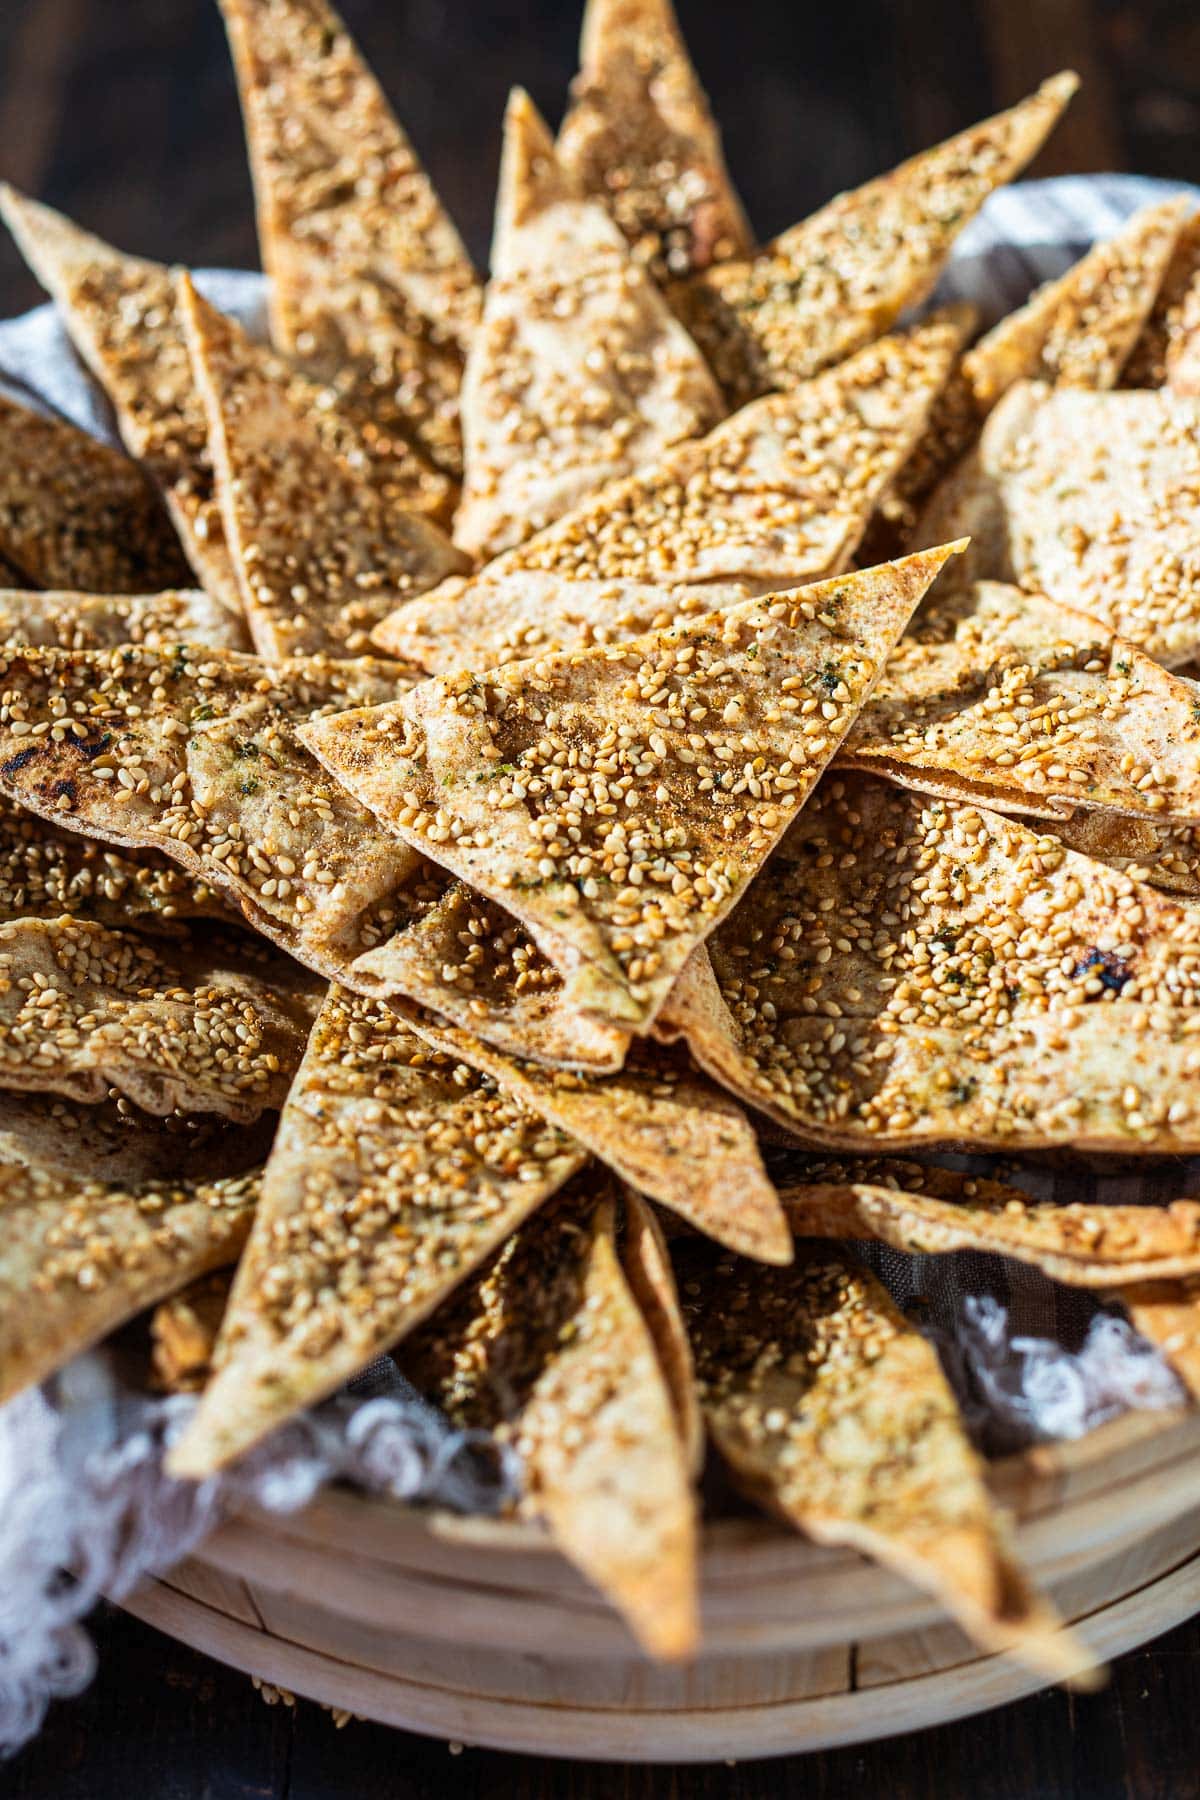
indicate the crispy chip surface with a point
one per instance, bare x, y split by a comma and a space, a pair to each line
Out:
639, 136
909, 970
75, 513
77, 1259
619, 799
831, 1409
394, 1174
549, 1348
776, 496
75, 621
832, 283
1167, 354
579, 372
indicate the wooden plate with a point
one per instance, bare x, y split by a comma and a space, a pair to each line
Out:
479, 1631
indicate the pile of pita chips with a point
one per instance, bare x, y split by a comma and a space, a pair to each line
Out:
320, 554
579, 372
832, 283
1091, 498
914, 971
1029, 707
639, 136
76, 514
777, 496
370, 284
620, 799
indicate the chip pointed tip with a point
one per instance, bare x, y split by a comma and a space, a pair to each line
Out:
531, 176
613, 28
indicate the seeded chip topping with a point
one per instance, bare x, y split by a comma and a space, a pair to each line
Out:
75, 513
777, 496
1167, 354
832, 283
84, 1009
394, 1174
72, 621
916, 971
619, 799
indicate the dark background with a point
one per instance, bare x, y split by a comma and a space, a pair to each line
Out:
123, 113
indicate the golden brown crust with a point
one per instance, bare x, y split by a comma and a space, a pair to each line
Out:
548, 1347
639, 136
833, 1411
395, 1173
776, 496
1167, 354
579, 372
832, 283
76, 621
76, 514
646, 1265
79, 1260
705, 740
370, 284
183, 1331
912, 971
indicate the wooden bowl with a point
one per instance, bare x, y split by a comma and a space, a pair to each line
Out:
479, 1631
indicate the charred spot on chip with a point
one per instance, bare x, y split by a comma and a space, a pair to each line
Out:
20, 761
1110, 970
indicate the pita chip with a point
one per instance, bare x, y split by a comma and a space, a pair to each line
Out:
74, 621
1167, 354
705, 739
832, 1411
777, 496
829, 285
45, 872
395, 1173
1079, 331
1013, 700
183, 1333
579, 372
931, 1212
1165, 856
320, 554
171, 1026
75, 513
910, 971
646, 1265
1091, 499
79, 1259
658, 1123
639, 136
112, 1141
548, 1349
120, 311
1167, 1314
370, 284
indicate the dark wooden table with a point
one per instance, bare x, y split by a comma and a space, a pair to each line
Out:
123, 113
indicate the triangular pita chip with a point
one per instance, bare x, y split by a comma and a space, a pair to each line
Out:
121, 314
548, 1348
1166, 856
1167, 1314
913, 971
777, 496
74, 513
1013, 700
833, 1411
639, 135
195, 755
1079, 331
76, 621
112, 1141
646, 1265
1093, 499
320, 555
394, 1174
1167, 354
579, 372
45, 872
369, 280
931, 1212
84, 1009
835, 281
659, 1124
77, 1260
621, 798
